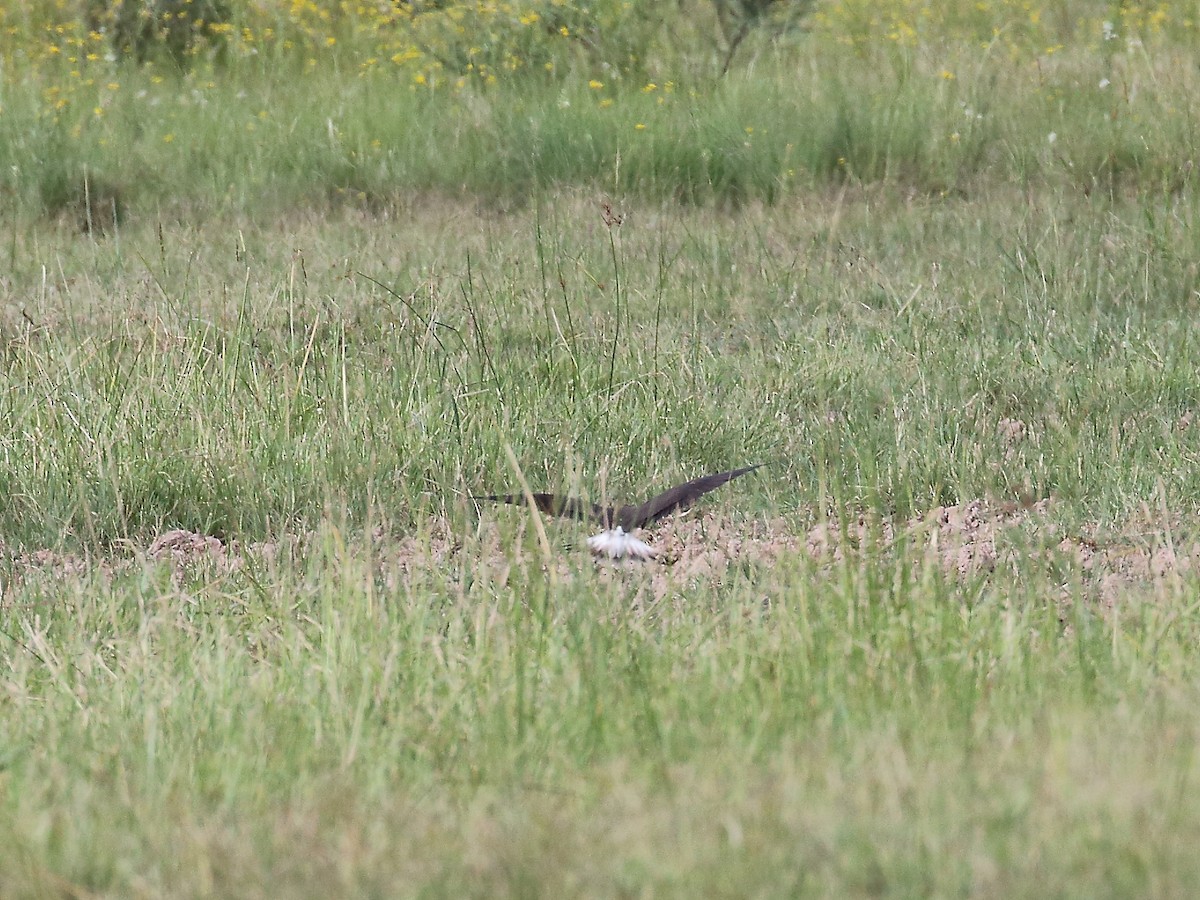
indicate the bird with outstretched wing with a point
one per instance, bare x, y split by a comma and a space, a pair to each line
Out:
616, 541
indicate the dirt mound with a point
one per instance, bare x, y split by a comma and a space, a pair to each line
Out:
181, 546
964, 538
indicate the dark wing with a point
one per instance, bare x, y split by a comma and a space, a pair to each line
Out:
558, 505
679, 497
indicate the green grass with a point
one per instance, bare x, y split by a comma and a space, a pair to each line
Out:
274, 136
300, 726
433, 710
251, 389
379, 687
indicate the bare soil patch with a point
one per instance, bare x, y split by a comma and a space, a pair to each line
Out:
979, 538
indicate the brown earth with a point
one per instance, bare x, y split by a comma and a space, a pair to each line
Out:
969, 540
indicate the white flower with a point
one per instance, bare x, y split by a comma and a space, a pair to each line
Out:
1052, 137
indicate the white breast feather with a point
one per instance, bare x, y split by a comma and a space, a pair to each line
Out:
616, 544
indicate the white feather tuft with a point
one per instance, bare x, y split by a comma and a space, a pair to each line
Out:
616, 544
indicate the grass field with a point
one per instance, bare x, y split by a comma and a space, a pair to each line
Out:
256, 638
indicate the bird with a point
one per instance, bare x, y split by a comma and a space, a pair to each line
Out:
617, 540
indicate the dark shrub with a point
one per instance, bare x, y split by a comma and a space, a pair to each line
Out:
145, 29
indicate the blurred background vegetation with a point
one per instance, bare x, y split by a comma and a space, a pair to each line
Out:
198, 106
